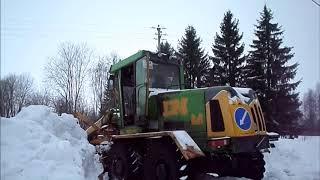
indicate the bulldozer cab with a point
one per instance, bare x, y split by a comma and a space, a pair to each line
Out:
135, 77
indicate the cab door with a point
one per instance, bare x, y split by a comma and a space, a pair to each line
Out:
141, 90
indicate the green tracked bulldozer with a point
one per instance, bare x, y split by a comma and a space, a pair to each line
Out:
161, 131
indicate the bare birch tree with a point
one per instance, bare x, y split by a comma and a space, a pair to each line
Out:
99, 78
40, 98
311, 108
23, 90
67, 73
14, 92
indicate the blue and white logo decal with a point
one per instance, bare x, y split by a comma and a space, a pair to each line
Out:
242, 119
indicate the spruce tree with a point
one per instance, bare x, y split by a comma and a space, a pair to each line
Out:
270, 72
195, 61
166, 48
228, 56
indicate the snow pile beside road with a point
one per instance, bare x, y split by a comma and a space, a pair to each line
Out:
38, 144
294, 159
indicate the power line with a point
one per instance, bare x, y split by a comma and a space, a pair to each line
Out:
315, 2
159, 34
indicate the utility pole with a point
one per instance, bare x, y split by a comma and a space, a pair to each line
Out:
159, 35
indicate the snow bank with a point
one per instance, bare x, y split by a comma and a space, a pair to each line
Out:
38, 144
294, 159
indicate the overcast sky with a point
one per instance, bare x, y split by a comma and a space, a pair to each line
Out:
31, 30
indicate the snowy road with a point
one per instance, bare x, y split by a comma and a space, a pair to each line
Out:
293, 159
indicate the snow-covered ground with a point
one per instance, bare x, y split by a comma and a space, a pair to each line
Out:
294, 159
291, 159
37, 144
